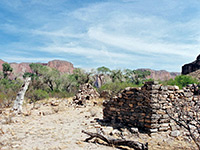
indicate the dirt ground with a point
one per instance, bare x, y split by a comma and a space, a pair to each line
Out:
57, 125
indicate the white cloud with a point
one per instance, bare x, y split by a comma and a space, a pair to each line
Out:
139, 45
120, 33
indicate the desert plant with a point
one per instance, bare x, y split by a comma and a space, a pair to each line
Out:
7, 69
181, 81
186, 114
38, 94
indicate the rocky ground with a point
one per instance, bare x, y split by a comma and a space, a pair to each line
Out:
56, 124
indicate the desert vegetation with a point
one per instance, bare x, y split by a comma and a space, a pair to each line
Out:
47, 83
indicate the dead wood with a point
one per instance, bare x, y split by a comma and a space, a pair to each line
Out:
17, 107
117, 142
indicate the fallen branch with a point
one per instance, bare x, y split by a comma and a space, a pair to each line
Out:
117, 142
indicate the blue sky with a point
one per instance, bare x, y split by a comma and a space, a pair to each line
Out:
156, 34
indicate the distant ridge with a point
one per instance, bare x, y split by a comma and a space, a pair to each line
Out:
67, 67
161, 74
20, 68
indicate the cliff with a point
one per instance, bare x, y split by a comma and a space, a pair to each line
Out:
62, 66
191, 67
21, 68
161, 74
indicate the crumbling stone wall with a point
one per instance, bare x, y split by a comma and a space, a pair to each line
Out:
86, 92
144, 107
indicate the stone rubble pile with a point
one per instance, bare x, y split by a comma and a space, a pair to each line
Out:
193, 88
86, 92
145, 107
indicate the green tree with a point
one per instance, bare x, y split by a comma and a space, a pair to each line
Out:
103, 70
7, 69
116, 75
182, 81
38, 69
81, 76
129, 75
140, 75
47, 75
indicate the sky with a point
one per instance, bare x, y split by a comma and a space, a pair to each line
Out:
119, 34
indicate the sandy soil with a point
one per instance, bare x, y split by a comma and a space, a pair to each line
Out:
58, 127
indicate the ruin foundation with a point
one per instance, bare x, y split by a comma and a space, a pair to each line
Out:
145, 107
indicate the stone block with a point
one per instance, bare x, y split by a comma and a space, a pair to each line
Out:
163, 129
175, 133
153, 130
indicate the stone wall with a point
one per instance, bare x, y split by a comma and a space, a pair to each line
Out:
144, 107
86, 92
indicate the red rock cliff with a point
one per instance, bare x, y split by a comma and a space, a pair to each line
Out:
21, 68
161, 74
62, 66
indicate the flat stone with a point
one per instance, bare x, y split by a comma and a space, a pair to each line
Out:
153, 130
175, 133
116, 132
134, 130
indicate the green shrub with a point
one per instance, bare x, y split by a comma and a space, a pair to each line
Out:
8, 91
60, 94
35, 95
181, 81
116, 87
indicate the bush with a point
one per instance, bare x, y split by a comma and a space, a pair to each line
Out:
61, 94
38, 94
116, 87
8, 91
181, 81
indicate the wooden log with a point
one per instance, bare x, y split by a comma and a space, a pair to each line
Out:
117, 142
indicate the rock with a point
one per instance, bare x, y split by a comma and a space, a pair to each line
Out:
55, 103
161, 74
20, 69
125, 132
1, 63
116, 132
107, 130
134, 130
153, 130
175, 133
61, 66
86, 92
191, 67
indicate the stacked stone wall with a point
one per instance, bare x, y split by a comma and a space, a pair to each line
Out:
145, 107
86, 92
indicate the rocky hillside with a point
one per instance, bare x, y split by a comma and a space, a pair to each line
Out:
62, 66
195, 74
21, 68
1, 62
191, 67
161, 74
66, 67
